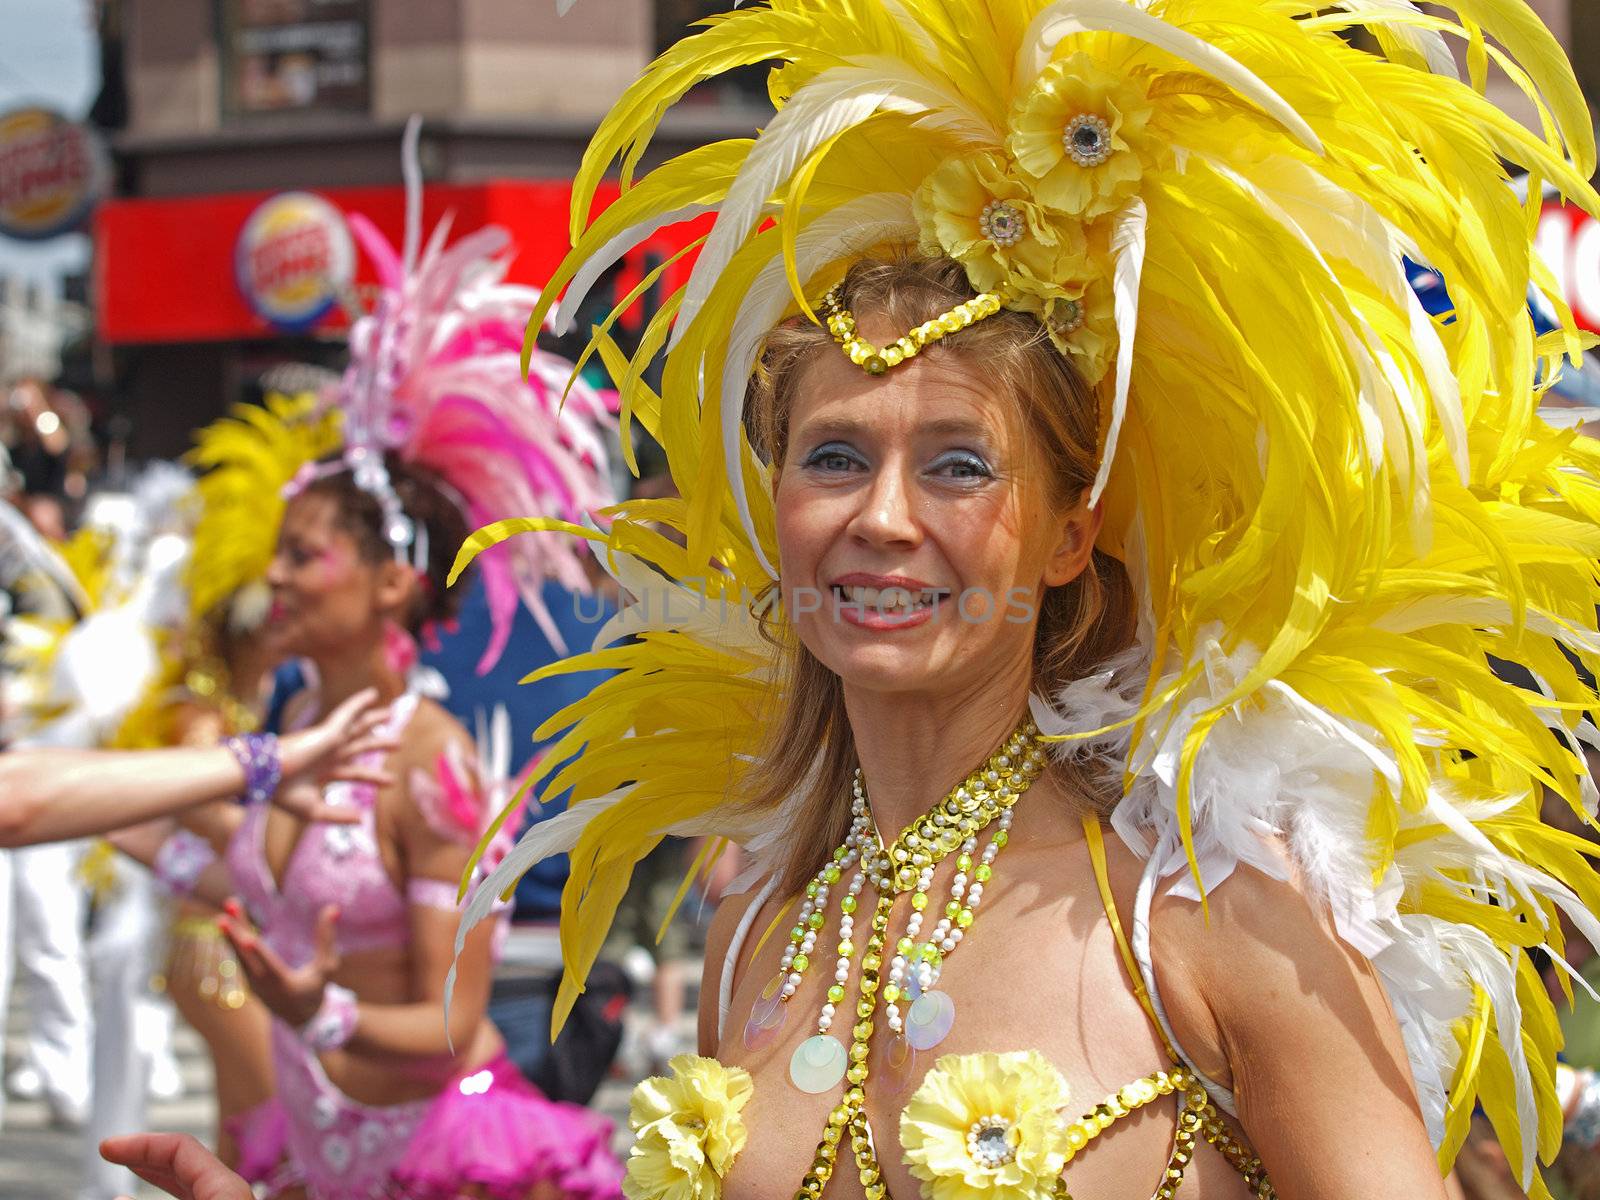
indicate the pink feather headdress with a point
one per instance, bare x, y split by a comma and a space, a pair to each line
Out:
435, 377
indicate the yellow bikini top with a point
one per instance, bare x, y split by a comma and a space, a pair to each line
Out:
688, 1129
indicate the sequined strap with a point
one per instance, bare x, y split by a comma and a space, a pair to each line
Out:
1097, 855
1197, 1118
1192, 1101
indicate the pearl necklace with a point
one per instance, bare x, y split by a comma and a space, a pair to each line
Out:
821, 1062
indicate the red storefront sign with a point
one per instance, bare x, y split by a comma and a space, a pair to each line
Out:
1568, 240
166, 270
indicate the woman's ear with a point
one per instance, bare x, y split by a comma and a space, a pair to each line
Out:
1078, 529
396, 583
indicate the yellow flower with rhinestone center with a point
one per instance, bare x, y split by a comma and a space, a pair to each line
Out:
1082, 137
987, 1127
973, 209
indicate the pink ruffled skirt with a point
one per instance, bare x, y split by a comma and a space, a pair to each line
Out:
489, 1130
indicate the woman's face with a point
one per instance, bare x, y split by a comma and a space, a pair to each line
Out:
325, 596
915, 533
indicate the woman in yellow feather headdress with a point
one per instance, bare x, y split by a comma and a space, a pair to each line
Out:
1061, 446
1097, 310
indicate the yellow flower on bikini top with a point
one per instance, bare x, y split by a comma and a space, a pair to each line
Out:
980, 1127
987, 1127
687, 1130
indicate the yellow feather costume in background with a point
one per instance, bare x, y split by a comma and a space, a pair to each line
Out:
1335, 508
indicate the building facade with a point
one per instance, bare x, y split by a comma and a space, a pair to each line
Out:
227, 102
239, 94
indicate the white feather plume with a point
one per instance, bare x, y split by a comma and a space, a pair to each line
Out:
596, 265
834, 101
1127, 249
1402, 19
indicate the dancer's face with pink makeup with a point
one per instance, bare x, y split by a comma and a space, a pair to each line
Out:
327, 598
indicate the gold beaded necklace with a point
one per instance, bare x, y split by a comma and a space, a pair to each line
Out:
984, 798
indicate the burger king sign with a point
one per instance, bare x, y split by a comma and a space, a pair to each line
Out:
293, 259
51, 173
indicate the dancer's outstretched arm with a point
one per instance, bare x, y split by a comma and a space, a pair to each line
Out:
49, 794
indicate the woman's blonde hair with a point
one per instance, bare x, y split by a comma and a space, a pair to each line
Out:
1080, 624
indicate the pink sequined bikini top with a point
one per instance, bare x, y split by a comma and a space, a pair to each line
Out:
331, 864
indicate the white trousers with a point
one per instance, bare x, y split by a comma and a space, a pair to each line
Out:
131, 1027
42, 914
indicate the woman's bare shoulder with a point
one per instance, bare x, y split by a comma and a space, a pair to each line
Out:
431, 732
1252, 963
431, 735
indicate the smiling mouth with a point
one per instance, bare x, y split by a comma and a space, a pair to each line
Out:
890, 602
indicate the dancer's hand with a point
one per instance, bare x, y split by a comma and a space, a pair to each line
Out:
177, 1164
294, 994
333, 749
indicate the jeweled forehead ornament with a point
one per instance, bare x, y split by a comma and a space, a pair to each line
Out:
874, 360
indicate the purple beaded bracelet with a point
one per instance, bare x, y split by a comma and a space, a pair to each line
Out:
257, 756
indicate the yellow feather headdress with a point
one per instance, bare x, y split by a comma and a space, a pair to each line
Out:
1336, 508
248, 458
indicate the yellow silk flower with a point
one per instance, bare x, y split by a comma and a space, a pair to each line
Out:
1081, 314
687, 1130
987, 1127
974, 210
1071, 90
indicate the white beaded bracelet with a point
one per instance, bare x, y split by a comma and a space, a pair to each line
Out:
179, 863
335, 1021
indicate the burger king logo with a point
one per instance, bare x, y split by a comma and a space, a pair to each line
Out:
293, 258
51, 173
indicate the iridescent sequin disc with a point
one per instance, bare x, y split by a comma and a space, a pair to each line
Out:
893, 1059
818, 1064
929, 1019
767, 1015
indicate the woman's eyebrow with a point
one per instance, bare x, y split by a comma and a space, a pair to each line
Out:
848, 427
966, 426
832, 427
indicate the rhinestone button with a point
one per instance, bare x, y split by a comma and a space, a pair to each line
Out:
1087, 139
